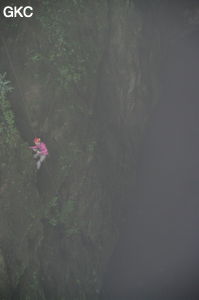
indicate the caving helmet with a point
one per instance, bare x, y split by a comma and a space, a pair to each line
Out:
37, 140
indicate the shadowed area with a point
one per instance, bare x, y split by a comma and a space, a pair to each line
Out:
157, 256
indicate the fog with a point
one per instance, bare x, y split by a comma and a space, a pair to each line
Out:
157, 255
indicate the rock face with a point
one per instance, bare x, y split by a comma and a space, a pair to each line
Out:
157, 256
4, 281
86, 78
21, 206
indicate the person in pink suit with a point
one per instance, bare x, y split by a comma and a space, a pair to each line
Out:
41, 151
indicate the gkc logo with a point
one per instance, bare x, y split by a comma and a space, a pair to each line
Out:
21, 11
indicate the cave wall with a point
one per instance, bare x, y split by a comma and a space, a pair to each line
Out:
85, 78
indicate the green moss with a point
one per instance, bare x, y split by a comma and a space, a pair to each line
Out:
7, 122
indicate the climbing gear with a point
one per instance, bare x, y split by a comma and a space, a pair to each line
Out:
41, 158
